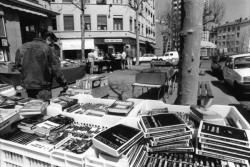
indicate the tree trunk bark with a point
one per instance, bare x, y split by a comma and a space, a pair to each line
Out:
137, 36
190, 60
83, 29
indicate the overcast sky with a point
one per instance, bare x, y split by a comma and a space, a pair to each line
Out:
234, 8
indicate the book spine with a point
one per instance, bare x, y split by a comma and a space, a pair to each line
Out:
223, 157
172, 136
221, 144
132, 141
222, 139
174, 139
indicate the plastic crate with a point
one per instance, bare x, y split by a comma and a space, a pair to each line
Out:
18, 155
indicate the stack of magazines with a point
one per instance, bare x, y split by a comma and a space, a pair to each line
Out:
224, 142
166, 132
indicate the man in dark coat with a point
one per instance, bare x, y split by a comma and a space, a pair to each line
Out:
38, 65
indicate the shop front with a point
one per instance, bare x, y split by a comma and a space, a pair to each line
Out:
71, 48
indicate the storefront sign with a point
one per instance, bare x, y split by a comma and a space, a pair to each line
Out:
113, 40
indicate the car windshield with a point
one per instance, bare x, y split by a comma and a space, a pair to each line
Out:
242, 62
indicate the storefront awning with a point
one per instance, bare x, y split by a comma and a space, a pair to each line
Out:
207, 44
22, 9
76, 44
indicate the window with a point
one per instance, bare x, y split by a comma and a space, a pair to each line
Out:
130, 24
238, 35
54, 26
101, 2
87, 2
135, 25
2, 28
228, 29
87, 22
238, 28
68, 21
117, 1
142, 27
102, 22
118, 24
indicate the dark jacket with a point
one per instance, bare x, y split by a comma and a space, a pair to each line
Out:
38, 65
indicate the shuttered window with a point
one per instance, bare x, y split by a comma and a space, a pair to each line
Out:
102, 22
68, 22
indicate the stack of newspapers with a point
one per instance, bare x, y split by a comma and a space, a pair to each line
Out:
166, 132
224, 142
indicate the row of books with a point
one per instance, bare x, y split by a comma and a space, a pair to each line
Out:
223, 142
185, 160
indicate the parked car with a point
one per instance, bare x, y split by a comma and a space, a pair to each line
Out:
147, 57
171, 57
236, 72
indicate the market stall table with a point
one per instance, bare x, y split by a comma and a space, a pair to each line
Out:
71, 73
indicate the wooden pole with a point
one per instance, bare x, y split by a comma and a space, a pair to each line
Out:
83, 29
190, 61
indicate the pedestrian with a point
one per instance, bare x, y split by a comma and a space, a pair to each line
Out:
123, 59
91, 60
129, 57
38, 66
107, 60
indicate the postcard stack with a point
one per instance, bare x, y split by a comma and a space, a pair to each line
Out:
223, 142
166, 132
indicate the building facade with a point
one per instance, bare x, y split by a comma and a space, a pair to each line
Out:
109, 26
232, 37
19, 20
176, 24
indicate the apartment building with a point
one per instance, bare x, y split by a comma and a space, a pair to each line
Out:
176, 24
19, 19
109, 26
232, 37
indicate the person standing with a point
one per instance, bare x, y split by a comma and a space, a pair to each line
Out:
129, 57
38, 66
123, 59
92, 56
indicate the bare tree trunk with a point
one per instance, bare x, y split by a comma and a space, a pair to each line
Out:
137, 37
192, 32
83, 29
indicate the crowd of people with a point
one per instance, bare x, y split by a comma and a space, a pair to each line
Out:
109, 60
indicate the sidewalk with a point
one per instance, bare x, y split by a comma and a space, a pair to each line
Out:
120, 82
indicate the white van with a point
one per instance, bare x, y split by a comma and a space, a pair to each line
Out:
171, 57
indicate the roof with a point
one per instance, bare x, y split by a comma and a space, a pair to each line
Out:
240, 55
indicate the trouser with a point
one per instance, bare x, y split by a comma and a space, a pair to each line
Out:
91, 68
129, 62
43, 94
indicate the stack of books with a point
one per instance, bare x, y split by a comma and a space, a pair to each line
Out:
65, 102
223, 142
166, 132
33, 107
117, 139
